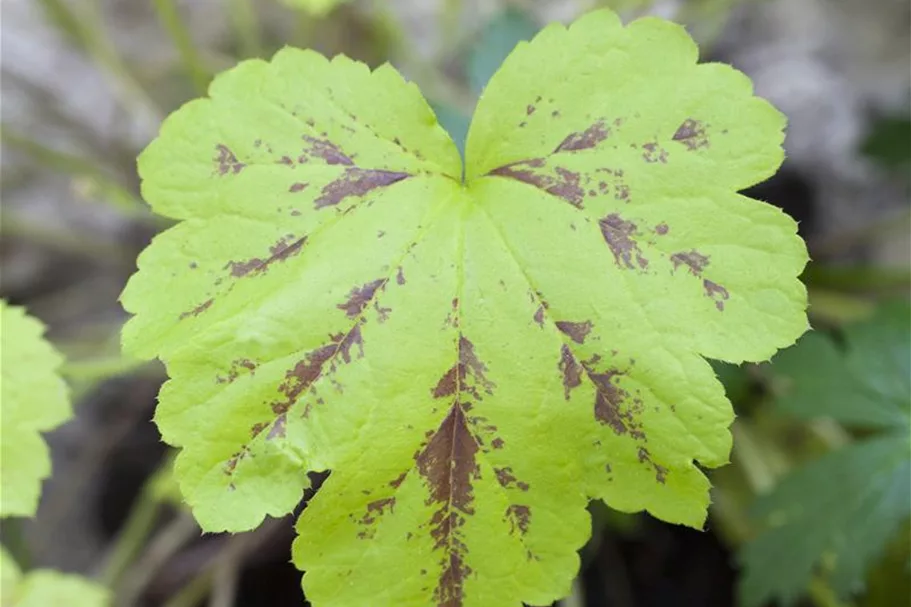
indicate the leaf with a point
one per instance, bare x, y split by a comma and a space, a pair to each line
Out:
474, 360
499, 36
867, 383
33, 399
44, 587
317, 8
843, 508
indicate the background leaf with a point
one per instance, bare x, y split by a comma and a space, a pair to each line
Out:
43, 588
841, 510
34, 399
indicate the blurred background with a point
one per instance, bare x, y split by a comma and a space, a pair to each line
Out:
813, 509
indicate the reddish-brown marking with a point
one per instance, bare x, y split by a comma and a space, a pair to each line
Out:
609, 404
235, 370
356, 182
359, 298
576, 331
227, 162
654, 153
660, 471
694, 260
565, 184
327, 151
716, 292
198, 309
278, 428
692, 134
570, 369
298, 187
530, 110
280, 251
448, 465
395, 483
585, 140
661, 229
519, 517
376, 509
456, 378
539, 316
497, 443
306, 371
618, 234
505, 476
400, 276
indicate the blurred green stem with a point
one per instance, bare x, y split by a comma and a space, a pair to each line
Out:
86, 28
246, 26
132, 537
192, 62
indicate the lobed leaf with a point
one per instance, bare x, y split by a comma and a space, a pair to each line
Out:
33, 399
44, 587
472, 359
845, 507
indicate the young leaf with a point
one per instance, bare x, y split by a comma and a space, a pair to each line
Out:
33, 399
45, 587
473, 360
847, 505
318, 8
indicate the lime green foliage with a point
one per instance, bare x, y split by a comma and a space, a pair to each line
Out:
44, 588
318, 8
33, 399
472, 359
494, 43
842, 509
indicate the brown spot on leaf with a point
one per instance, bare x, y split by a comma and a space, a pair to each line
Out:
530, 110
278, 428
519, 517
563, 184
618, 234
585, 140
497, 443
359, 298
396, 482
570, 369
539, 316
505, 476
400, 276
469, 367
716, 292
448, 465
298, 187
694, 260
235, 370
356, 182
226, 161
280, 251
654, 153
198, 309
307, 371
660, 471
661, 229
576, 331
376, 509
692, 134
327, 151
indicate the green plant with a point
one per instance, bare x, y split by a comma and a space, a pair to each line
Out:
473, 351
33, 399
839, 512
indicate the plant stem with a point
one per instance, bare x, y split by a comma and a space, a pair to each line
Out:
246, 26
192, 62
88, 31
132, 537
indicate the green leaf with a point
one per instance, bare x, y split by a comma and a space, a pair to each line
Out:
33, 399
317, 8
843, 508
44, 587
865, 383
474, 360
494, 43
